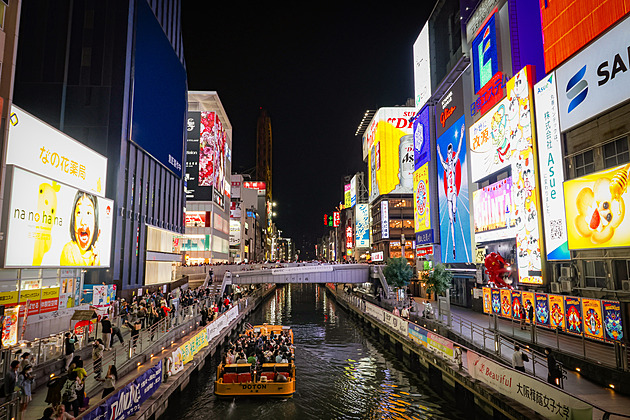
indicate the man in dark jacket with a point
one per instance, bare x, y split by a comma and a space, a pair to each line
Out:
69, 348
10, 380
107, 331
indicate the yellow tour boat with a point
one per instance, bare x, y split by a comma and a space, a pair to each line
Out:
256, 379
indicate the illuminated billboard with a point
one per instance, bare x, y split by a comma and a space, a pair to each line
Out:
453, 194
391, 152
551, 168
54, 225
353, 191
422, 67
595, 209
485, 54
568, 26
347, 201
493, 206
503, 138
212, 151
38, 147
362, 226
421, 138
421, 208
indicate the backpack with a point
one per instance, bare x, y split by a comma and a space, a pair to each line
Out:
67, 393
525, 357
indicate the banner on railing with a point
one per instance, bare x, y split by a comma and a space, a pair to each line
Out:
418, 335
440, 345
127, 401
595, 318
545, 399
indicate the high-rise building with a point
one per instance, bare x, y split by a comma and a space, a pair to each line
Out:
113, 79
264, 152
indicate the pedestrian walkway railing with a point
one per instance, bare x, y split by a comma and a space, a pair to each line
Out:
10, 410
492, 341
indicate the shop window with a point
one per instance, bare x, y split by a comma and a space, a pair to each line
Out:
584, 163
616, 153
595, 274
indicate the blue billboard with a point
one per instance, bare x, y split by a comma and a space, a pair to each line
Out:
421, 138
454, 203
158, 120
485, 54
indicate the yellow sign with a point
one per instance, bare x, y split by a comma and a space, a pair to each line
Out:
596, 209
30, 295
9, 298
480, 255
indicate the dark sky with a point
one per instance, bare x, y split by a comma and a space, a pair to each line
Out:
316, 70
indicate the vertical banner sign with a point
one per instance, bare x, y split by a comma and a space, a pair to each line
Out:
517, 304
353, 191
487, 300
612, 320
592, 313
192, 153
347, 202
542, 309
551, 169
506, 303
362, 226
527, 300
10, 326
421, 209
421, 138
573, 314
385, 219
495, 299
556, 311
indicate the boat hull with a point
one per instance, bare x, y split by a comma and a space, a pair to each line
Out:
255, 389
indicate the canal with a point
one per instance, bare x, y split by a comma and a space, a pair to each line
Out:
342, 373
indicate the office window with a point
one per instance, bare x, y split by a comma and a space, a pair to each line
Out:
584, 163
595, 274
616, 153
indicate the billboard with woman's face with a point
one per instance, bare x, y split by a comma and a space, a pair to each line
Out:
53, 225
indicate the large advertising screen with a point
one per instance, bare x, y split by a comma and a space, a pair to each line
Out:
596, 79
485, 54
38, 147
551, 171
595, 209
422, 67
391, 152
159, 93
453, 194
568, 26
362, 226
503, 138
53, 225
493, 206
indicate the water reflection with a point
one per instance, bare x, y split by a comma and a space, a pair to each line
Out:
342, 373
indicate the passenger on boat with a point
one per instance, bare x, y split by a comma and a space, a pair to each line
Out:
241, 358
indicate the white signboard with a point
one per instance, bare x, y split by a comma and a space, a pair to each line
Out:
596, 79
353, 191
551, 171
301, 270
547, 400
377, 256
396, 323
54, 225
38, 147
362, 223
385, 219
422, 67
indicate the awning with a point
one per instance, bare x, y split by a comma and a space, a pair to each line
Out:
83, 315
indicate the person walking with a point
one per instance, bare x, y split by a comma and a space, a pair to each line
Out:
69, 349
522, 316
69, 394
10, 380
106, 334
517, 358
116, 333
530, 314
109, 381
25, 383
97, 357
553, 372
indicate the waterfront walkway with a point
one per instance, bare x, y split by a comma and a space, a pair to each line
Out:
468, 323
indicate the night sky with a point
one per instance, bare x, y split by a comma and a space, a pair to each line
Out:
316, 70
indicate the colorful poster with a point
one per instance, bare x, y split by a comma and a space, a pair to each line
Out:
493, 206
592, 313
453, 195
542, 309
506, 303
487, 300
495, 301
418, 334
517, 303
612, 320
556, 311
595, 208
573, 314
10, 326
421, 208
50, 300
528, 300
421, 138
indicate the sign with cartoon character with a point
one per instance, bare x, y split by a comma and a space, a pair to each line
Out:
595, 209
53, 225
612, 320
592, 313
573, 309
503, 138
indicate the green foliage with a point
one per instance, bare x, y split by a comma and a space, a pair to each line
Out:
438, 280
397, 272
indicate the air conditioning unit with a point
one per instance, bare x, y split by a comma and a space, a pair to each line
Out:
566, 272
555, 287
625, 285
566, 286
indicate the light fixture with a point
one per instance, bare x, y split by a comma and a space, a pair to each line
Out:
578, 370
612, 386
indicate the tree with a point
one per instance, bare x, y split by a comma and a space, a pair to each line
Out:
438, 280
397, 272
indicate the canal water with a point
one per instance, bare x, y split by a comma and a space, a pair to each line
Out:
342, 373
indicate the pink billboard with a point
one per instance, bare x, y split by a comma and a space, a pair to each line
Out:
493, 206
212, 147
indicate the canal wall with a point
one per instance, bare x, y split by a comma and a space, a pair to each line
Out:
445, 377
